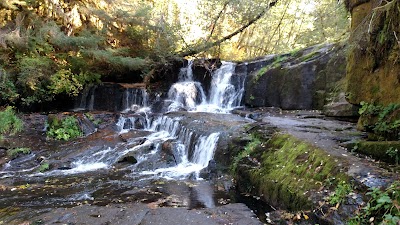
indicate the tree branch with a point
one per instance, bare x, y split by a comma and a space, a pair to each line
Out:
206, 46
217, 18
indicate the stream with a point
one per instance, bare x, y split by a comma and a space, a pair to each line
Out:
156, 151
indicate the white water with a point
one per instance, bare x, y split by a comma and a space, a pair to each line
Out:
162, 128
135, 99
189, 95
224, 96
203, 153
192, 152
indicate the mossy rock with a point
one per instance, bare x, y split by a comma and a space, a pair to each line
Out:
290, 171
373, 63
380, 150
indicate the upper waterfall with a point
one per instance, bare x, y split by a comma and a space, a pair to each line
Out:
225, 92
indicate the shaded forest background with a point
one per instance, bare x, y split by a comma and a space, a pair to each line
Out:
56, 47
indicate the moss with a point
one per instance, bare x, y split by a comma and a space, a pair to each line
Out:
373, 63
379, 149
8, 212
277, 63
290, 170
309, 56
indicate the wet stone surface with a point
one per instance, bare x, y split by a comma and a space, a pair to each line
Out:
90, 183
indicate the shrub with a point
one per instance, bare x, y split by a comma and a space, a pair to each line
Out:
65, 129
44, 167
9, 122
8, 91
382, 208
382, 120
341, 191
15, 152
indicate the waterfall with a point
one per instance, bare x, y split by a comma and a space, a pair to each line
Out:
86, 100
203, 153
134, 99
226, 90
225, 93
204, 150
186, 73
186, 94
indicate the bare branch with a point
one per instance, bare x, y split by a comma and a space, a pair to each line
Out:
207, 46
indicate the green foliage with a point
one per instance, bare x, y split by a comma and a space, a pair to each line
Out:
64, 81
33, 78
43, 167
340, 194
90, 116
393, 153
9, 122
65, 129
382, 208
119, 62
15, 152
386, 119
250, 147
8, 91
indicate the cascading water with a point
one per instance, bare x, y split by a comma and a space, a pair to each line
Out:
134, 99
191, 151
86, 100
224, 95
186, 93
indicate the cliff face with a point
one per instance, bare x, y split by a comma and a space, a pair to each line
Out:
373, 69
305, 79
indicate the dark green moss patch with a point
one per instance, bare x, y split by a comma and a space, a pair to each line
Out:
290, 171
381, 150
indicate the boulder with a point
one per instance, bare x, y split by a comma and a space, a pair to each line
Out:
341, 108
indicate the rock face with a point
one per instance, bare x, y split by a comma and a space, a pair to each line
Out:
339, 107
373, 70
298, 80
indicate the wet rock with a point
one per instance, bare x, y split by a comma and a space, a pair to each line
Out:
133, 137
86, 126
210, 172
167, 147
143, 214
128, 159
64, 167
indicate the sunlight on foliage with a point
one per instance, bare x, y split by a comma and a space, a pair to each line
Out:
9, 122
64, 129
